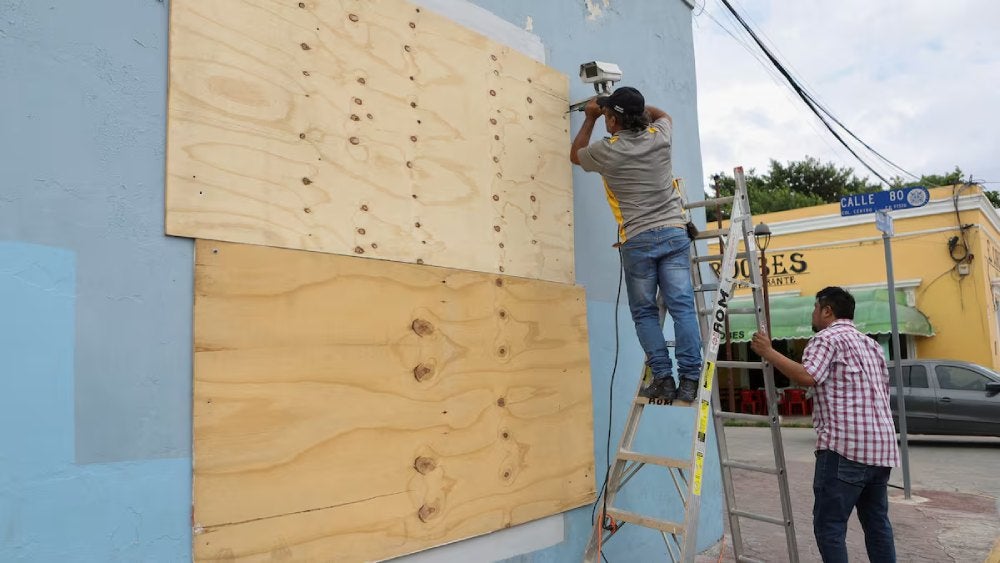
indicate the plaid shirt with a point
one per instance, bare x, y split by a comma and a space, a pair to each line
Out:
851, 414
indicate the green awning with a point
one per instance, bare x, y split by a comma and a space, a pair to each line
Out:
791, 316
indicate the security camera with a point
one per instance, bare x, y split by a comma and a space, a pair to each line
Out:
597, 72
602, 75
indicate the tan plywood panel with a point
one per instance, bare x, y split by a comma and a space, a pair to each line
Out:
372, 128
349, 409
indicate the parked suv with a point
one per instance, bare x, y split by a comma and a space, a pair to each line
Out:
948, 397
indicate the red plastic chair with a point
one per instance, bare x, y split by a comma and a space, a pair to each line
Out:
796, 398
749, 399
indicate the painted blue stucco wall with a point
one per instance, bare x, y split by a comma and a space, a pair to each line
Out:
96, 303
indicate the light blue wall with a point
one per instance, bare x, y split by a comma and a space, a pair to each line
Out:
52, 508
95, 302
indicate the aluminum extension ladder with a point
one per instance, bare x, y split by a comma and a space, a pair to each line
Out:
681, 537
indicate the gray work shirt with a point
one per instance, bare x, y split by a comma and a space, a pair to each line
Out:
638, 178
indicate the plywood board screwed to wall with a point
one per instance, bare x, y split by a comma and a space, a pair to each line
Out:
371, 128
349, 409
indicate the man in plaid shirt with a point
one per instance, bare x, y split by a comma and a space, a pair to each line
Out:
856, 440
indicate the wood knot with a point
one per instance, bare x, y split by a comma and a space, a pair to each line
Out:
502, 351
423, 372
305, 46
409, 164
496, 228
361, 231
407, 49
501, 402
413, 25
359, 250
353, 18
529, 99
499, 282
306, 181
364, 207
422, 327
493, 92
355, 141
493, 57
533, 198
505, 435
493, 121
496, 198
427, 512
503, 314
424, 465
355, 117
302, 4
413, 104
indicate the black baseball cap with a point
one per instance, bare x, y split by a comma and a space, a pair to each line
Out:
625, 100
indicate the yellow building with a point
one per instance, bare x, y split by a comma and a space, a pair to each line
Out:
946, 258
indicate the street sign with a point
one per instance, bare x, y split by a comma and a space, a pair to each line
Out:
900, 198
883, 222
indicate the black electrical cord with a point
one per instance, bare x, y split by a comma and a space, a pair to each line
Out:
953, 242
611, 395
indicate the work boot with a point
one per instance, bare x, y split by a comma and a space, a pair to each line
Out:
688, 391
661, 391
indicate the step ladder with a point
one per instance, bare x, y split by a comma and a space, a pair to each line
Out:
687, 474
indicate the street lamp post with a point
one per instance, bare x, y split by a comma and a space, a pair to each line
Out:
763, 235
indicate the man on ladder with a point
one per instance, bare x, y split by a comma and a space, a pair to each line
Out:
635, 162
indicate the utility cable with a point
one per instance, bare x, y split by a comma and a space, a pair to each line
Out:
818, 109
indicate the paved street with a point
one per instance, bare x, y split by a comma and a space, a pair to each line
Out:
953, 515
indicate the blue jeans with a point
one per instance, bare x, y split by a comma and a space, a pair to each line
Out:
660, 258
841, 485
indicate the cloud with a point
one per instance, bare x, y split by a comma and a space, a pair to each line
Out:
913, 78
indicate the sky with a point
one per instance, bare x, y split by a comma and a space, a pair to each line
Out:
918, 80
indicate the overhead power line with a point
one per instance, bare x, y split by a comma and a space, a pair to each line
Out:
818, 109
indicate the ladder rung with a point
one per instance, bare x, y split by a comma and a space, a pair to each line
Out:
646, 521
743, 416
742, 311
745, 559
707, 287
715, 202
759, 517
739, 365
713, 233
749, 467
654, 459
715, 257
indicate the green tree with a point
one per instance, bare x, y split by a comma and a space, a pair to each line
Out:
931, 180
795, 184
949, 179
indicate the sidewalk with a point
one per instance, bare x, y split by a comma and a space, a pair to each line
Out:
934, 526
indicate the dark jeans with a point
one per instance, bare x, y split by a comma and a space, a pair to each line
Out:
660, 259
841, 485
